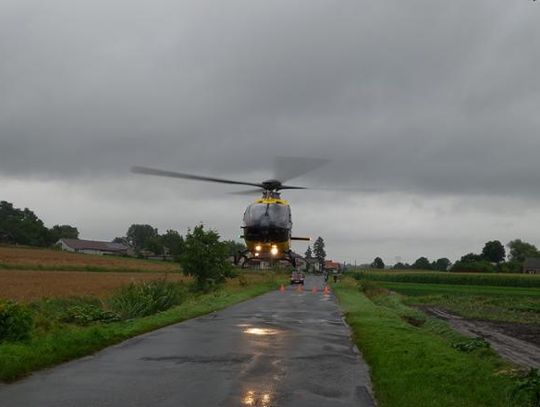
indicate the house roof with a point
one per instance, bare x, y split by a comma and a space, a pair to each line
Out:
79, 244
329, 264
532, 262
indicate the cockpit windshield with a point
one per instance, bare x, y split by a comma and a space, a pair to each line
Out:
268, 215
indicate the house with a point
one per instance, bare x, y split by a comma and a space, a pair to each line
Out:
532, 265
93, 247
332, 266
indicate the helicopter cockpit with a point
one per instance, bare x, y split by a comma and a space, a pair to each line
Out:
267, 222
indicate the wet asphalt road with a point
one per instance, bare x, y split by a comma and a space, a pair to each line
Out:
281, 349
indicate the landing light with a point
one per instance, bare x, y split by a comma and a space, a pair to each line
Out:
256, 254
274, 251
258, 247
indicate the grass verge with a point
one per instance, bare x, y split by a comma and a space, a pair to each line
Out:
412, 360
66, 342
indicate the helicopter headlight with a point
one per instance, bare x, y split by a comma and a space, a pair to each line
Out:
258, 248
274, 250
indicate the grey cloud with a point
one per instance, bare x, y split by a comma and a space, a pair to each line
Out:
429, 99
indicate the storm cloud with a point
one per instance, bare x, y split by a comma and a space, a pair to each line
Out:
430, 106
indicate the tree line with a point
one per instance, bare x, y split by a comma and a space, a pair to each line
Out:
22, 226
146, 238
492, 258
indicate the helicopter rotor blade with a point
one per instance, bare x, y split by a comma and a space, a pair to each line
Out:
173, 174
287, 168
291, 187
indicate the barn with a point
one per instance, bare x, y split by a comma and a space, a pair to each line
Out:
93, 247
532, 265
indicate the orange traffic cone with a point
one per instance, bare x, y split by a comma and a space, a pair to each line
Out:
326, 290
282, 288
314, 290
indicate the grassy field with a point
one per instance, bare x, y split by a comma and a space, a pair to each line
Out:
438, 277
508, 304
416, 360
23, 258
64, 329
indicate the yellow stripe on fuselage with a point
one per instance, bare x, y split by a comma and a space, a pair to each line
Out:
278, 201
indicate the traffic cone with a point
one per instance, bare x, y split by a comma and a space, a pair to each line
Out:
282, 288
326, 290
314, 290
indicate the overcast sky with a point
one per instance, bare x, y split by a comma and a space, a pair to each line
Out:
431, 106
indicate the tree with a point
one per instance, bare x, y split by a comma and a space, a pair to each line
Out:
138, 235
401, 266
205, 258
233, 247
173, 242
422, 263
21, 226
493, 251
58, 232
320, 253
155, 245
441, 264
471, 258
378, 263
309, 253
520, 250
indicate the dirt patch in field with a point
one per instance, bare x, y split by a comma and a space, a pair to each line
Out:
20, 256
518, 343
28, 285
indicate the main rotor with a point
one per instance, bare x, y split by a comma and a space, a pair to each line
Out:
285, 168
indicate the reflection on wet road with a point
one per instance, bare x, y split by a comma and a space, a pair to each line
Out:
286, 348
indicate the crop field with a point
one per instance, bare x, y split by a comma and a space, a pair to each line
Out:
21, 258
438, 277
31, 285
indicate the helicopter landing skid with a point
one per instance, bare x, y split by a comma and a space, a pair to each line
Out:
243, 259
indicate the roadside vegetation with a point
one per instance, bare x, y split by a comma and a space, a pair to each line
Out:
417, 360
43, 330
51, 331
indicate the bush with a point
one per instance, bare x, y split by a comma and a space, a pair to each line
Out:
527, 389
473, 267
85, 314
205, 258
139, 300
15, 321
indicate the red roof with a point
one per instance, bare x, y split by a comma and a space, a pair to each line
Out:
329, 264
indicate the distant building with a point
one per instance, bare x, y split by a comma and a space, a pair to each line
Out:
93, 247
332, 266
532, 265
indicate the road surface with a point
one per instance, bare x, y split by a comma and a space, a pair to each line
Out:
281, 349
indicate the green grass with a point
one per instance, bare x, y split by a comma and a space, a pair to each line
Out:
508, 304
412, 360
438, 277
417, 289
55, 342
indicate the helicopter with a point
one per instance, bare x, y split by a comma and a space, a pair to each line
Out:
267, 222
